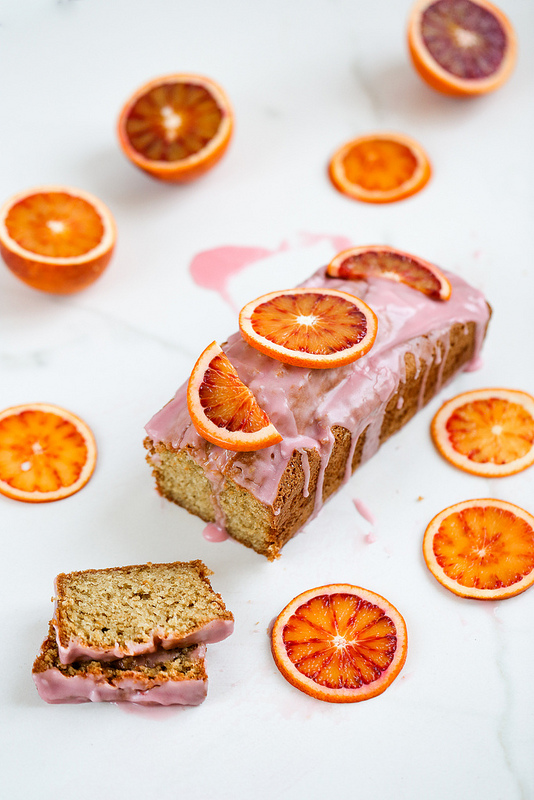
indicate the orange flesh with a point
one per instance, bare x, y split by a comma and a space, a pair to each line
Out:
379, 165
173, 121
491, 431
40, 452
227, 402
310, 323
340, 641
393, 266
55, 224
485, 547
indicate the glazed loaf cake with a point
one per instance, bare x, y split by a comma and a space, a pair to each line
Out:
331, 420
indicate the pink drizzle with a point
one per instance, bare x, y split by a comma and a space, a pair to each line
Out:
214, 533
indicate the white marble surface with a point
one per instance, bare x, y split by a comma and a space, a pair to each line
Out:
304, 76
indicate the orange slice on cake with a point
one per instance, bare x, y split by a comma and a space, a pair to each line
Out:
315, 328
340, 643
176, 127
380, 261
223, 410
487, 432
56, 239
461, 47
482, 549
46, 453
380, 168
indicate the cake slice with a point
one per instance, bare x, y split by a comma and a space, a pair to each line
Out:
331, 420
108, 614
174, 677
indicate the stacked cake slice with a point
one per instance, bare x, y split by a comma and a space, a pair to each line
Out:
136, 634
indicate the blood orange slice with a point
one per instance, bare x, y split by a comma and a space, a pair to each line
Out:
461, 47
386, 262
380, 168
223, 410
176, 127
482, 549
315, 328
56, 239
46, 453
487, 432
339, 643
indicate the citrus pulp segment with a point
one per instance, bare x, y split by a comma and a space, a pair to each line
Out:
315, 328
380, 168
56, 238
461, 47
339, 643
176, 127
483, 549
46, 453
386, 262
223, 410
487, 432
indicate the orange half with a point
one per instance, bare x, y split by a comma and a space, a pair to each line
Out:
482, 549
46, 453
340, 643
380, 168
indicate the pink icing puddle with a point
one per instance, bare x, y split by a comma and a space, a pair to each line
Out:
214, 533
362, 509
474, 365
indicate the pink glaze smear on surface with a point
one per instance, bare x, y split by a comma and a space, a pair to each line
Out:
214, 533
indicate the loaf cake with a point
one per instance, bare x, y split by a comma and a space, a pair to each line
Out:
164, 678
331, 420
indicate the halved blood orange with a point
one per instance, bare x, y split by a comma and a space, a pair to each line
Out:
46, 453
380, 168
487, 432
176, 127
56, 238
339, 643
380, 261
317, 328
482, 549
461, 47
223, 410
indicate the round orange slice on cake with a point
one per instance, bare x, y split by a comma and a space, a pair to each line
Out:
307, 327
56, 238
223, 410
176, 127
380, 168
381, 261
46, 453
482, 549
461, 47
340, 643
487, 432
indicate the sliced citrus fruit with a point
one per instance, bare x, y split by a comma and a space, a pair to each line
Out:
380, 261
56, 238
487, 432
176, 127
482, 549
461, 47
339, 643
315, 328
223, 410
46, 453
380, 168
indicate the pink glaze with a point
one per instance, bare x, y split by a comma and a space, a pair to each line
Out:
214, 533
475, 365
364, 510
304, 404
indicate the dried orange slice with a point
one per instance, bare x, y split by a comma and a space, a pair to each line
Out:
339, 643
488, 432
380, 168
56, 238
380, 261
461, 47
482, 549
315, 328
176, 127
46, 453
223, 410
